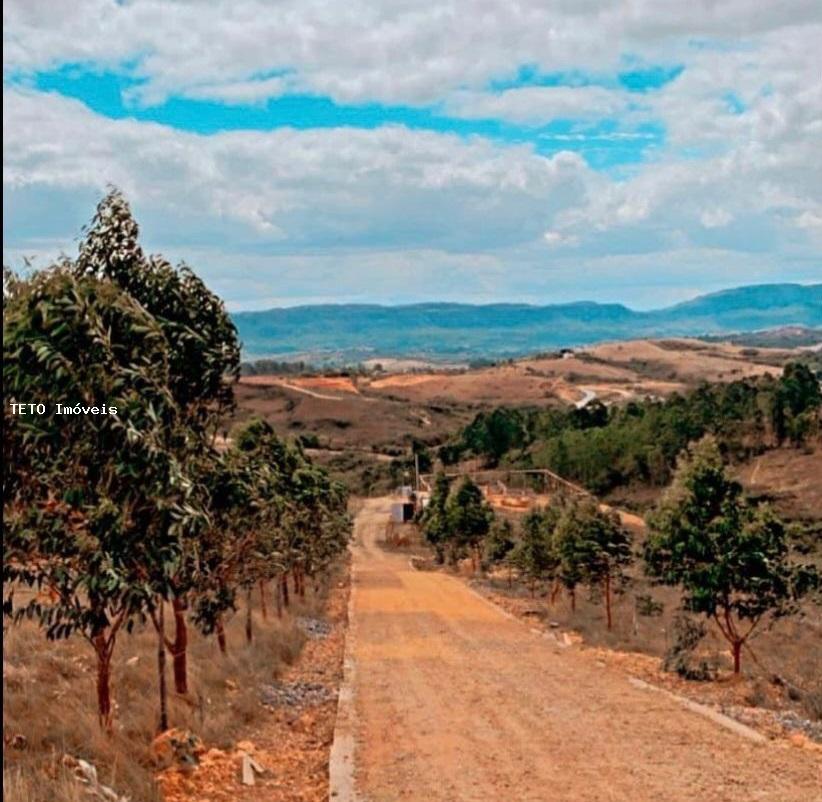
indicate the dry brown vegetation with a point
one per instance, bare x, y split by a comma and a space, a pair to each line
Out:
790, 479
50, 709
381, 413
367, 422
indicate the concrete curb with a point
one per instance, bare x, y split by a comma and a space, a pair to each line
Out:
341, 759
703, 710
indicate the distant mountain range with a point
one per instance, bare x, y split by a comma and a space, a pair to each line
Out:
354, 332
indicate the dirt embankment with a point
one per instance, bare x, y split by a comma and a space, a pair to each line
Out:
291, 743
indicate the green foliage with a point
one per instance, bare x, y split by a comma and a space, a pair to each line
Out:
602, 544
468, 516
308, 523
648, 606
795, 409
204, 354
592, 548
500, 542
535, 555
493, 434
434, 518
121, 501
95, 504
454, 522
639, 442
730, 558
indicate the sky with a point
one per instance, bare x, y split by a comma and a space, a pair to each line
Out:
393, 151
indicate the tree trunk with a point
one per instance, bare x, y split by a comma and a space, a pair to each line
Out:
248, 632
284, 586
302, 583
103, 681
572, 592
295, 579
221, 642
736, 648
278, 598
608, 599
161, 666
180, 649
263, 603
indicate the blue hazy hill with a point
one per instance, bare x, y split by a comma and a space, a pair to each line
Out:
448, 330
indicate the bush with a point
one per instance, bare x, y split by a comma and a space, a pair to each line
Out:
648, 606
688, 634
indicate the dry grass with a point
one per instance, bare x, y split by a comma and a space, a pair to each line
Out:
347, 420
49, 699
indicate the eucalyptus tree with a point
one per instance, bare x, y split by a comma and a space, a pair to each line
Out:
242, 542
203, 353
97, 506
318, 521
260, 445
203, 350
312, 526
570, 552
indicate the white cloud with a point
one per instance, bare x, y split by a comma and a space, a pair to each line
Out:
313, 188
540, 104
736, 186
242, 93
393, 51
715, 218
809, 219
557, 239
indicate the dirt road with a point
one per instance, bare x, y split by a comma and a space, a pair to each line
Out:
453, 701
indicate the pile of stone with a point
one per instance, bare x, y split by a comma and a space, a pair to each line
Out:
295, 694
795, 723
86, 774
314, 628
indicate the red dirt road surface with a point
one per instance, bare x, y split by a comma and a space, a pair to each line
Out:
453, 701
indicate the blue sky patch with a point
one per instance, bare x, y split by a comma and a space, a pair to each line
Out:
605, 144
638, 79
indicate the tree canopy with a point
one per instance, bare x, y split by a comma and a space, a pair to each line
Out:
730, 558
97, 504
119, 369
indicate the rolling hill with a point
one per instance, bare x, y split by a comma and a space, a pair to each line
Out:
351, 332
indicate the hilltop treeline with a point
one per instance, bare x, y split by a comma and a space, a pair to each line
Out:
123, 506
604, 447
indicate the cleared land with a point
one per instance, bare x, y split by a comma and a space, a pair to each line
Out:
453, 700
387, 410
614, 370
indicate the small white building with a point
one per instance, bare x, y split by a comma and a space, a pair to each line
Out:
402, 512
